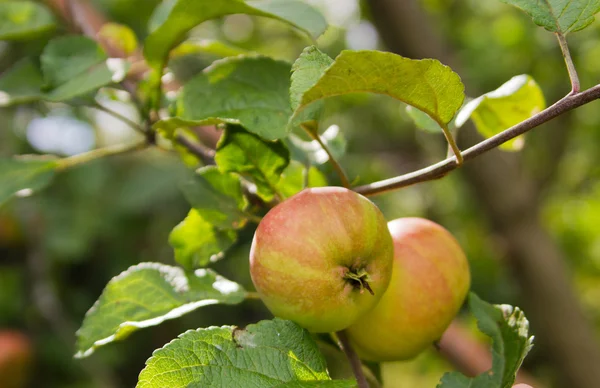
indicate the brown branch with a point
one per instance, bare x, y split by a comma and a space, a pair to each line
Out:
442, 168
355, 363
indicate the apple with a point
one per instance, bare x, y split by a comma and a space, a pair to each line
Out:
15, 359
429, 283
322, 258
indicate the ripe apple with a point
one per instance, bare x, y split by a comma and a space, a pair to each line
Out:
430, 281
322, 258
15, 359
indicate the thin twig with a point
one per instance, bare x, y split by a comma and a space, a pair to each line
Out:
442, 168
452, 144
564, 47
336, 166
353, 359
75, 160
205, 154
119, 116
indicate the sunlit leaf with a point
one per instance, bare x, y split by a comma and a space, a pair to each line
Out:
147, 295
20, 20
118, 36
198, 243
296, 177
559, 15
22, 176
509, 330
207, 46
273, 353
514, 102
259, 160
425, 84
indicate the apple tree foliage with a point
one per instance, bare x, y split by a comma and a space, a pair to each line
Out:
261, 104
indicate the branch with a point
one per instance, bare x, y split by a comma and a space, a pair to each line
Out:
75, 160
353, 359
564, 47
440, 169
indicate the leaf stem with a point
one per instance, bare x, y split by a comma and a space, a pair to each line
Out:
252, 295
66, 163
440, 169
353, 359
336, 166
452, 144
564, 47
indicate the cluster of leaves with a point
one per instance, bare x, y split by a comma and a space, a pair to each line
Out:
260, 160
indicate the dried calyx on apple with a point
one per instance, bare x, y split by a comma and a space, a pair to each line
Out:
314, 255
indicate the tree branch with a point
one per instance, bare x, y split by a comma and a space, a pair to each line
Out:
442, 168
353, 359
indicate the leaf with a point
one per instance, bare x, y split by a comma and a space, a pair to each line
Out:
273, 353
20, 20
425, 84
422, 120
118, 36
217, 197
207, 46
198, 243
146, 295
249, 91
76, 65
21, 84
294, 176
186, 14
259, 160
22, 176
509, 330
562, 16
515, 101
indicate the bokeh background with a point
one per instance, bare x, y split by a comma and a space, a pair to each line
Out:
528, 221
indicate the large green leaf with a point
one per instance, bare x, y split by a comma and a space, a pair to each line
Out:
273, 353
425, 84
259, 160
217, 197
23, 176
146, 295
198, 243
515, 101
76, 65
250, 91
509, 330
562, 16
186, 14
24, 20
296, 177
21, 84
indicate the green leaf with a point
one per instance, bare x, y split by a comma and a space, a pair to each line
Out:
562, 16
425, 84
20, 20
197, 243
186, 14
207, 46
119, 36
21, 84
147, 295
515, 101
217, 197
76, 65
22, 176
259, 160
422, 120
509, 330
273, 353
294, 177
249, 91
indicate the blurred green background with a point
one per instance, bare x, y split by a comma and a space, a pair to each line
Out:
528, 221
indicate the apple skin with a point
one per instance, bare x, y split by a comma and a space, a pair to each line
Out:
429, 283
305, 248
16, 356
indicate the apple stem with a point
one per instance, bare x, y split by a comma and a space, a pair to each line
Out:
355, 363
